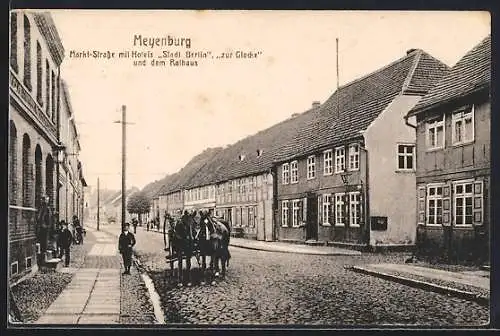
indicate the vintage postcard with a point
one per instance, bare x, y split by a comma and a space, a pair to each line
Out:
263, 168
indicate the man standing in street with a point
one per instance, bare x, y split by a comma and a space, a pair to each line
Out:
65, 239
125, 244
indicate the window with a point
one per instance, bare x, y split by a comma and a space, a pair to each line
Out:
435, 205
311, 167
463, 203
405, 157
435, 134
339, 159
284, 213
463, 126
27, 53
47, 87
355, 208
295, 172
354, 157
339, 209
28, 262
13, 41
14, 268
54, 97
285, 168
296, 213
39, 73
327, 162
327, 209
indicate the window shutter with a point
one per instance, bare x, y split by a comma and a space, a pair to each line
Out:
320, 209
299, 215
447, 204
478, 201
304, 209
331, 218
421, 205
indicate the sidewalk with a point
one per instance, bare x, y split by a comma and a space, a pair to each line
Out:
468, 285
93, 296
283, 247
291, 248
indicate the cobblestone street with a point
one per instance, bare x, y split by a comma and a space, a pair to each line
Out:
285, 288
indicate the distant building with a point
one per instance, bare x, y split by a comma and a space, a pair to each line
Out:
454, 162
71, 180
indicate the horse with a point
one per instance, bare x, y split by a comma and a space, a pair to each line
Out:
213, 241
182, 245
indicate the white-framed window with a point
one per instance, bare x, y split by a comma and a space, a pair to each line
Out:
463, 196
14, 268
339, 159
406, 156
435, 133
327, 209
295, 213
462, 126
339, 209
354, 157
311, 167
328, 162
284, 213
294, 168
435, 204
29, 262
355, 208
285, 170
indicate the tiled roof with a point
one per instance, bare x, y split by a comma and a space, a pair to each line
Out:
355, 106
184, 176
360, 101
119, 195
471, 73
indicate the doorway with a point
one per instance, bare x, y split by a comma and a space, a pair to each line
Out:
312, 218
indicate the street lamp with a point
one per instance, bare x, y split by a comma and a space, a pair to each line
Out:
345, 179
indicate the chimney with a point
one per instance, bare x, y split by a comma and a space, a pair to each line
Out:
409, 51
316, 104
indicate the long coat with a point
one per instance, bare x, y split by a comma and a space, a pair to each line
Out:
126, 242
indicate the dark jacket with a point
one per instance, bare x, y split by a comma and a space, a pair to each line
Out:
65, 238
126, 242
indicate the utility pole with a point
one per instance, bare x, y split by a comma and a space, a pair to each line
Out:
98, 205
124, 161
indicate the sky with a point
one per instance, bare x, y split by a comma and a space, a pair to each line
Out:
177, 112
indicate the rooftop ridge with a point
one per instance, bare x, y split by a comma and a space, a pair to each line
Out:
409, 77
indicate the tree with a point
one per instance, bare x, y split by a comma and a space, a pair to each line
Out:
138, 204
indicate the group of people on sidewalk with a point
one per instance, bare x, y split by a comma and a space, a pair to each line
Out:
67, 235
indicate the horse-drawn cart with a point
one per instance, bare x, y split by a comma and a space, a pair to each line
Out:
185, 238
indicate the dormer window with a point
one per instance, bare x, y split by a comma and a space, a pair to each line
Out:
241, 157
259, 152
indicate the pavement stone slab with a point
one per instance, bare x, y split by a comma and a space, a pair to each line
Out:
58, 319
99, 319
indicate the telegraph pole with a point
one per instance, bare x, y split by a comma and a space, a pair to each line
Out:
124, 161
98, 205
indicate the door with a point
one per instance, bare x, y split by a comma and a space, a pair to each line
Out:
230, 216
312, 218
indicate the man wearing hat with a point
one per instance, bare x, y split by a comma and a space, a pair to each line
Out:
125, 244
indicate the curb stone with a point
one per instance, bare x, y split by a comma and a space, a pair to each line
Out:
482, 300
296, 252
